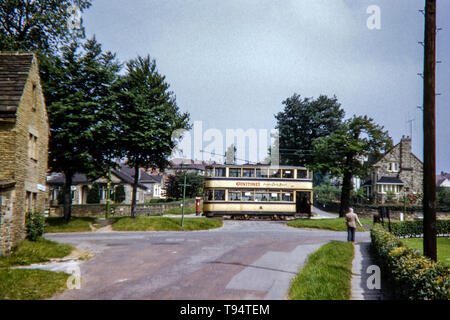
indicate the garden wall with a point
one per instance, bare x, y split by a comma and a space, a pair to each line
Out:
92, 210
368, 211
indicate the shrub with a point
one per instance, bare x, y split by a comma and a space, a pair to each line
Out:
35, 224
412, 275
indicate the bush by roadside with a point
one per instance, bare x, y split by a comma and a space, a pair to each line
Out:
413, 276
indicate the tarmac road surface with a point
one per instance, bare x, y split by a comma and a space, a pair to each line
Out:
241, 260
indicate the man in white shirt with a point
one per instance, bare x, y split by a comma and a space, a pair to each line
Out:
351, 220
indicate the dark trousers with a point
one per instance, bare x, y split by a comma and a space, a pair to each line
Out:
351, 234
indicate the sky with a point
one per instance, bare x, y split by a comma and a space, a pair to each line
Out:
232, 63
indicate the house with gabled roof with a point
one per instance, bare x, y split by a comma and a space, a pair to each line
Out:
24, 136
123, 175
399, 172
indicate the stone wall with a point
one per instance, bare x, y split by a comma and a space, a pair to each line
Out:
29, 173
93, 210
410, 169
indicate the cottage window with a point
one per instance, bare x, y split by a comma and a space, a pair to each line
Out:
393, 167
32, 146
34, 98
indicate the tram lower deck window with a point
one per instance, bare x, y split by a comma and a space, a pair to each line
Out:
234, 195
262, 196
288, 196
219, 194
248, 196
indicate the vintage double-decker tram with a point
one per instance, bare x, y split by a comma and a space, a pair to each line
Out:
257, 190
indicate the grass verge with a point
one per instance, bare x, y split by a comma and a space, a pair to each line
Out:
30, 284
337, 224
58, 224
443, 248
326, 275
28, 252
164, 224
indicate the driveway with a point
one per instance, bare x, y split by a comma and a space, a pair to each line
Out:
241, 260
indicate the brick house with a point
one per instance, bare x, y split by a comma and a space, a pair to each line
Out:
24, 136
399, 172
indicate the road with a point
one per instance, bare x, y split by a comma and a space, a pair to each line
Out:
241, 260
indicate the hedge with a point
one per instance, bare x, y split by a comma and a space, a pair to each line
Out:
415, 228
412, 276
335, 205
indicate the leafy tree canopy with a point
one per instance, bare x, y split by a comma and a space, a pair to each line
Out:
77, 83
301, 122
345, 152
39, 25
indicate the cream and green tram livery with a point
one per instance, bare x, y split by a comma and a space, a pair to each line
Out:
257, 190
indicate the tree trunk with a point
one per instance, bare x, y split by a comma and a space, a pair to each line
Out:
67, 200
134, 193
345, 194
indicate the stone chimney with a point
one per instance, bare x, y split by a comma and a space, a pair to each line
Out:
405, 153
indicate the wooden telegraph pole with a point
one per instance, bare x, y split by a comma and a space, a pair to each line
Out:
429, 130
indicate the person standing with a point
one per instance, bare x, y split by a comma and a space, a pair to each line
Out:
351, 220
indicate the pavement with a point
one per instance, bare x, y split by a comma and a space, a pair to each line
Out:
242, 260
367, 281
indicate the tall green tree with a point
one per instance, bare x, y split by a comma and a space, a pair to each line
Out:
31, 25
148, 116
78, 84
345, 153
174, 185
301, 122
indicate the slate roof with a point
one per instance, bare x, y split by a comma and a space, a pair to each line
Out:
14, 70
124, 173
390, 180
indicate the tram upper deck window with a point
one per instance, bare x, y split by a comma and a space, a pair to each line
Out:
302, 173
288, 196
288, 174
274, 173
248, 173
248, 195
220, 172
234, 195
219, 195
209, 172
262, 173
234, 172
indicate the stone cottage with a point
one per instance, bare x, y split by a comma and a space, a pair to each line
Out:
399, 172
24, 136
149, 186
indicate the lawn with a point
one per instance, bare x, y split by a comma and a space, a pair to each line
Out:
164, 224
337, 224
30, 284
28, 252
187, 210
443, 247
79, 224
326, 275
